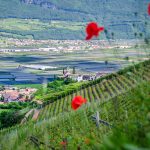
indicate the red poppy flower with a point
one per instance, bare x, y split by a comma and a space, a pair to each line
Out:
92, 29
148, 9
63, 143
77, 102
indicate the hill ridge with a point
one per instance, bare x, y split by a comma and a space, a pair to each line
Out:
129, 18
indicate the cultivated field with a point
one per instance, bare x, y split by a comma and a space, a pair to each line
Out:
85, 61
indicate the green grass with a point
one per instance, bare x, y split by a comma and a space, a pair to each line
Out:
37, 86
123, 102
128, 113
9, 34
36, 29
37, 25
1, 110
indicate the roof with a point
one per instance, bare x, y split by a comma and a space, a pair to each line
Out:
13, 95
86, 77
16, 94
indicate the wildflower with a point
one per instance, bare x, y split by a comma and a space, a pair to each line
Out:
148, 9
87, 141
77, 102
92, 29
63, 143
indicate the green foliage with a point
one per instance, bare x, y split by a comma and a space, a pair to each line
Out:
69, 81
59, 84
70, 18
100, 90
133, 134
56, 89
37, 86
147, 41
22, 10
34, 28
9, 118
15, 105
55, 84
130, 121
128, 113
1, 88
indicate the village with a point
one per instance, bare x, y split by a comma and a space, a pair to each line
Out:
14, 94
67, 46
78, 77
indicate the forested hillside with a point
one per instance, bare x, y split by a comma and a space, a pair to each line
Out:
123, 19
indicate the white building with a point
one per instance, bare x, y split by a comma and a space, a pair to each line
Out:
85, 78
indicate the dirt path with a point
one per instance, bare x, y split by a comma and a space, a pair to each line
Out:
26, 116
36, 114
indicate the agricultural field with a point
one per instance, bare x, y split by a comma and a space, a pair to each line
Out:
37, 25
36, 29
120, 100
85, 60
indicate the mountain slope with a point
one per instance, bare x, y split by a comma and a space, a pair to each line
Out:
121, 18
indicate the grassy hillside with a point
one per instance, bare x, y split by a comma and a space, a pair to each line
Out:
128, 114
100, 90
121, 19
52, 94
122, 102
36, 29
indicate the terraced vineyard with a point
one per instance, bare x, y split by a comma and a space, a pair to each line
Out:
101, 91
79, 129
121, 100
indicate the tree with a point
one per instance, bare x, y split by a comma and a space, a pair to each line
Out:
146, 23
146, 40
74, 70
106, 34
126, 58
55, 76
63, 70
27, 97
133, 24
2, 98
106, 62
9, 118
2, 87
136, 14
105, 31
141, 35
112, 34
68, 81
